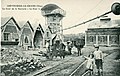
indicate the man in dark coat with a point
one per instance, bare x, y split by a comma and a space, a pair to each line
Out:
69, 46
62, 50
79, 44
55, 49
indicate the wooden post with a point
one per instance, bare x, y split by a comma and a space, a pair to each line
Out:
108, 40
97, 39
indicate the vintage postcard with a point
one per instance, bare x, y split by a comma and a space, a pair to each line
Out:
60, 38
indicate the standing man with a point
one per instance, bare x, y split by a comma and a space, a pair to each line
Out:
98, 58
79, 44
62, 50
69, 46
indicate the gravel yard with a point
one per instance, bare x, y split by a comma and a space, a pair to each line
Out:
112, 65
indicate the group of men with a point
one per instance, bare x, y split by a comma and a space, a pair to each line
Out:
60, 49
96, 58
56, 49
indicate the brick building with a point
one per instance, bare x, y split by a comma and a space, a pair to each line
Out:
26, 36
10, 33
38, 37
105, 34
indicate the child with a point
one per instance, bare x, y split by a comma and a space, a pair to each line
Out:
90, 63
98, 59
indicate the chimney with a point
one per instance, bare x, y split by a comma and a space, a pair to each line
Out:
105, 21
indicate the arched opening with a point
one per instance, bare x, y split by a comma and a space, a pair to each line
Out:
26, 39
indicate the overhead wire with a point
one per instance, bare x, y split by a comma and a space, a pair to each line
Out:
83, 16
92, 9
86, 21
89, 19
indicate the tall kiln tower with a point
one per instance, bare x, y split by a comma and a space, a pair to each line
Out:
53, 19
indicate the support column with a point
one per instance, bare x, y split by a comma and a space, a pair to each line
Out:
85, 39
119, 40
108, 40
97, 39
11, 37
33, 40
43, 42
33, 43
45, 20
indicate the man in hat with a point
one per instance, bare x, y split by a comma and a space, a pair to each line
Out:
98, 55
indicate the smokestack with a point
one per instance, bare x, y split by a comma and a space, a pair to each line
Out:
105, 21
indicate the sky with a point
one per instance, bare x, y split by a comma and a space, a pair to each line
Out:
77, 11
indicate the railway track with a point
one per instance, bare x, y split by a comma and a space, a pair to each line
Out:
50, 69
80, 70
74, 66
63, 69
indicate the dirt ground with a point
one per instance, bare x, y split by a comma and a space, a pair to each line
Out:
112, 64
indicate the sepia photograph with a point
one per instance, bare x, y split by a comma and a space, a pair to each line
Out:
60, 38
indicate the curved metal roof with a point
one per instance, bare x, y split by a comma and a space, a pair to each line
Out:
50, 7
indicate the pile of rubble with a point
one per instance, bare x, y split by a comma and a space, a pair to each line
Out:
22, 67
9, 55
14, 64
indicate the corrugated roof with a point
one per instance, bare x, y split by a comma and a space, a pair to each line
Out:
11, 29
97, 24
50, 7
30, 26
41, 28
13, 21
26, 31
